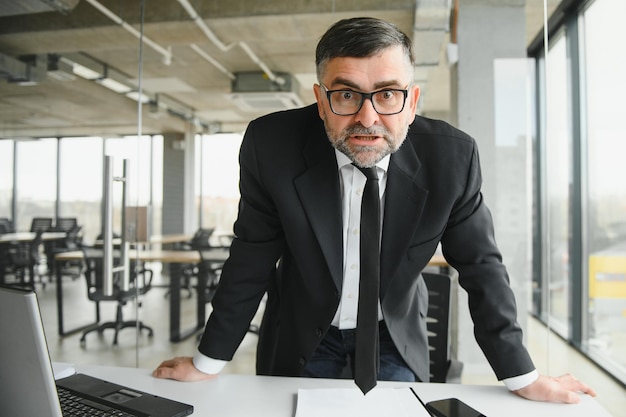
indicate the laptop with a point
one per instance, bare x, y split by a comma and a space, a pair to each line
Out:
27, 384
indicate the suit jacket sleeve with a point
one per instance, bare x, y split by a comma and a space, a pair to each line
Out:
251, 265
469, 246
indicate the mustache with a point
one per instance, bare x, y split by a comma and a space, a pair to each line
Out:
359, 129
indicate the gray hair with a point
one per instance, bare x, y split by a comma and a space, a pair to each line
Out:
360, 37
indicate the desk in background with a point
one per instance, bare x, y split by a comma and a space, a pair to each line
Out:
262, 396
170, 239
175, 258
8, 238
173, 239
26, 236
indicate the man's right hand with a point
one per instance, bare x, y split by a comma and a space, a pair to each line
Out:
181, 369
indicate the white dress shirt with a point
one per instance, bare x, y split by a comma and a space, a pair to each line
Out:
352, 183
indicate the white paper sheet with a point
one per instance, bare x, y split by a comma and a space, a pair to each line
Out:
62, 369
350, 402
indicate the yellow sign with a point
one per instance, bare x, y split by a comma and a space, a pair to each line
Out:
607, 276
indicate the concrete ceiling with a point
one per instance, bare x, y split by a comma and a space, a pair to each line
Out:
187, 64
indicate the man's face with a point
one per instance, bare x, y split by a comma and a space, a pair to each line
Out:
367, 137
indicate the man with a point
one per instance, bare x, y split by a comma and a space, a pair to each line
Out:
298, 229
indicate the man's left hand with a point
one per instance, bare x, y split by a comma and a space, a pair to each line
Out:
562, 389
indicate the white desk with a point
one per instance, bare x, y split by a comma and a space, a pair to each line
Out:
249, 395
26, 236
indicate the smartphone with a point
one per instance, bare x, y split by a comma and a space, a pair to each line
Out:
452, 407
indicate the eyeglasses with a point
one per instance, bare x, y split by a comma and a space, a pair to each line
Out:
349, 102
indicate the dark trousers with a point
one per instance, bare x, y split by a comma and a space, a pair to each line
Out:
336, 352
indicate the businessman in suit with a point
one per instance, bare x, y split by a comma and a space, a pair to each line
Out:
297, 229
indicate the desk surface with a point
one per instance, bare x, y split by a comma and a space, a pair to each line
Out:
25, 236
172, 238
167, 256
249, 395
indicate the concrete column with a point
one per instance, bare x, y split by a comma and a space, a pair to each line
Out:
179, 214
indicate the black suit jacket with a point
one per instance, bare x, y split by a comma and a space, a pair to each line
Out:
289, 244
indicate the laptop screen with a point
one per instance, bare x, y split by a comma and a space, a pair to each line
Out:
27, 385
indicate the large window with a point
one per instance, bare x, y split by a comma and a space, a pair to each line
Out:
157, 184
558, 180
605, 243
218, 190
77, 190
581, 223
35, 181
80, 182
6, 177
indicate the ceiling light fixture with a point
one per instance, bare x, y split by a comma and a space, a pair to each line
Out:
114, 85
137, 96
115, 81
84, 72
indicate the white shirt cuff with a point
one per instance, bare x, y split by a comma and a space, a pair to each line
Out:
521, 381
208, 365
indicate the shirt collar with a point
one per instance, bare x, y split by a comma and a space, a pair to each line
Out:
343, 160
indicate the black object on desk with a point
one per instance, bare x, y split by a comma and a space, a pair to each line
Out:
452, 407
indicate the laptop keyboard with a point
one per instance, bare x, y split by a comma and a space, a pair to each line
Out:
74, 406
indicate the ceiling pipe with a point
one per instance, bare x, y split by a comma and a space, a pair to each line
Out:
166, 53
225, 48
213, 61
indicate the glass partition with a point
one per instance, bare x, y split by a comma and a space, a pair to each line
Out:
558, 180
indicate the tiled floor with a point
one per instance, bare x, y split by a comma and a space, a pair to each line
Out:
151, 351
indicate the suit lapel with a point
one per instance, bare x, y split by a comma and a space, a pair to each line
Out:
319, 193
404, 203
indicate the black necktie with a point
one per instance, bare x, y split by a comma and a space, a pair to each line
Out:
366, 351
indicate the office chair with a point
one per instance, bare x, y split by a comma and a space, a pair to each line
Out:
210, 271
24, 258
199, 241
140, 283
6, 226
52, 247
41, 224
65, 224
71, 242
442, 367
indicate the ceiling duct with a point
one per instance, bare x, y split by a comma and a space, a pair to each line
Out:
8, 8
254, 91
431, 23
28, 70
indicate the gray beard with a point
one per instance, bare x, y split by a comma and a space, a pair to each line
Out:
364, 156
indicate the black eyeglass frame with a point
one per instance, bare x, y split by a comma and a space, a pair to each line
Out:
367, 96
